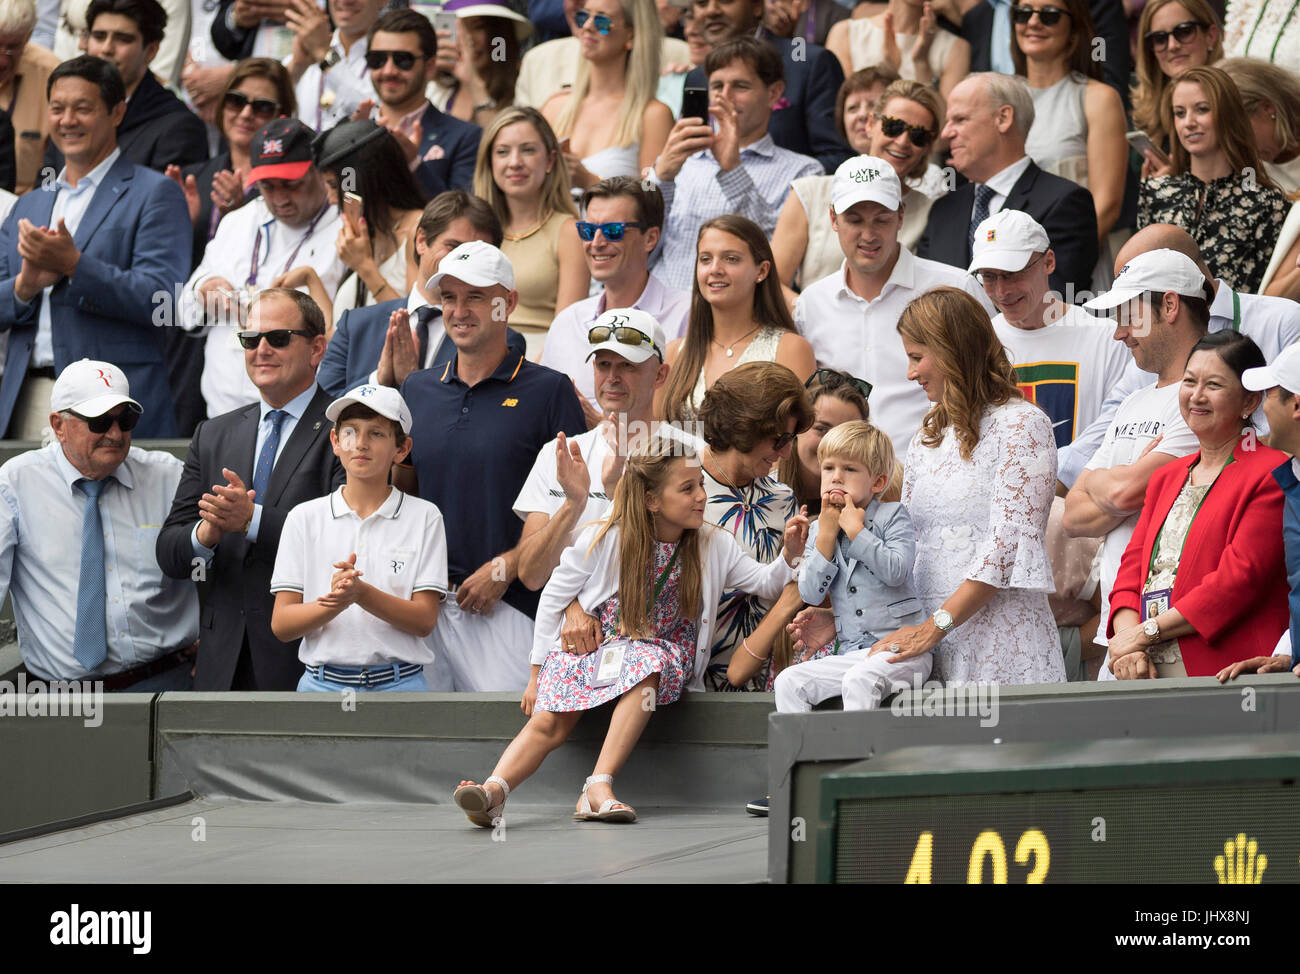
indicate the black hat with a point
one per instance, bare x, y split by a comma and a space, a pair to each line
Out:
344, 139
281, 149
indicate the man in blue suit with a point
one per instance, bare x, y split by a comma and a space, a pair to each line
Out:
357, 348
86, 261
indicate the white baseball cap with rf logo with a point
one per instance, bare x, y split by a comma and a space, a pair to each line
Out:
91, 388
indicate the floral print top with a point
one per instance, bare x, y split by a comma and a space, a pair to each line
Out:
1234, 221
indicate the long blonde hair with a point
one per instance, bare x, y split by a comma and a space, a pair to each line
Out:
641, 75
976, 372
555, 197
1151, 80
647, 473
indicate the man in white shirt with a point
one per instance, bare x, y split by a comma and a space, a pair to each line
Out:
1163, 301
850, 318
328, 70
1066, 360
624, 220
290, 225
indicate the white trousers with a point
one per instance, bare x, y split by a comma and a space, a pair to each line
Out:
479, 652
862, 680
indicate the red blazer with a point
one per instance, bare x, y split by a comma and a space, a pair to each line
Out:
1231, 583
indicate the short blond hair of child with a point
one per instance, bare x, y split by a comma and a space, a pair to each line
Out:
861, 442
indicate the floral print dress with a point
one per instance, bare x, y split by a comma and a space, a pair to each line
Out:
564, 682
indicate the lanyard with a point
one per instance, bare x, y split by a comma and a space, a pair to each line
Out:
661, 582
257, 245
1236, 311
1156, 547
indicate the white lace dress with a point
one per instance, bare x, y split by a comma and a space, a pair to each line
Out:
986, 519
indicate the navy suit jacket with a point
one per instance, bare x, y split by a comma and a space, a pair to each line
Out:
135, 255
1064, 208
353, 351
454, 166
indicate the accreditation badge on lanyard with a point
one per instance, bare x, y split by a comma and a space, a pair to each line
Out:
609, 669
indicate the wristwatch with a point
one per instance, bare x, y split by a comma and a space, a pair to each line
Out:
942, 620
330, 59
1152, 630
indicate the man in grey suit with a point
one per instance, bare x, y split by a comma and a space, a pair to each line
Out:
245, 470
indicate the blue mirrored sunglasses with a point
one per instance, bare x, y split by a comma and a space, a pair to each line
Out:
601, 21
612, 231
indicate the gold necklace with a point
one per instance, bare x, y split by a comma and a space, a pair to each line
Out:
728, 348
744, 501
527, 233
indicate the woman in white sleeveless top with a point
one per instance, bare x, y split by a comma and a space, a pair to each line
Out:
609, 123
908, 38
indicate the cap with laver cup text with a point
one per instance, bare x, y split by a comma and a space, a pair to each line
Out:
865, 179
281, 149
89, 388
384, 400
1283, 371
478, 264
1007, 241
624, 331
1160, 271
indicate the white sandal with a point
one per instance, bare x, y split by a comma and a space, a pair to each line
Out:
611, 809
473, 801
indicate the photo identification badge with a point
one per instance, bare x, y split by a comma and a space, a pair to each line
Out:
1155, 602
609, 666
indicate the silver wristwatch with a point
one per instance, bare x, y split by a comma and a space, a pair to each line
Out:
942, 620
1152, 630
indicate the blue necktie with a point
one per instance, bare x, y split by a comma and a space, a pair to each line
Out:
90, 644
422, 318
983, 196
1000, 39
266, 459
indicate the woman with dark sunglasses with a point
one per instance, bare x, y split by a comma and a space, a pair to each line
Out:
908, 38
1078, 129
1172, 36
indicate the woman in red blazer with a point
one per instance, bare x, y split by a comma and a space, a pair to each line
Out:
1228, 581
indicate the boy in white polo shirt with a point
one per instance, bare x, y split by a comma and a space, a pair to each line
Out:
360, 572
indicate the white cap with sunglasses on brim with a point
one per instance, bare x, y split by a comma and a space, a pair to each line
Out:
1160, 271
89, 388
1283, 371
1007, 241
478, 264
865, 179
384, 400
631, 318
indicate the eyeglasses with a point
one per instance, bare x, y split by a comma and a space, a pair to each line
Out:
404, 60
782, 441
624, 335
1047, 16
1158, 40
988, 278
918, 135
237, 101
832, 379
601, 22
612, 231
278, 338
125, 420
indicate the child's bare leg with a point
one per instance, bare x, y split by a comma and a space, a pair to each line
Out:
544, 732
631, 714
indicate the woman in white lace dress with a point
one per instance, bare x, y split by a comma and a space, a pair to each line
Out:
978, 482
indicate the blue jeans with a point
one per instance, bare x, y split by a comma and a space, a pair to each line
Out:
411, 684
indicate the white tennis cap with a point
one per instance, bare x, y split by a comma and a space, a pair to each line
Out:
91, 389
865, 179
635, 352
386, 401
1156, 270
1007, 241
1284, 371
478, 264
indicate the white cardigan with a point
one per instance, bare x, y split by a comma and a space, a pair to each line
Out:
592, 579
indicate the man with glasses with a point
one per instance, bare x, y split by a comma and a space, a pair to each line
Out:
157, 130
850, 318
623, 223
440, 148
77, 545
289, 225
245, 471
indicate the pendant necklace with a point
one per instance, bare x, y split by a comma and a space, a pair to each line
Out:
728, 348
744, 502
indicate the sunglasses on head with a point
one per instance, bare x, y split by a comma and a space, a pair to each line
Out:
624, 335
404, 60
237, 101
1047, 16
918, 135
601, 22
612, 231
1158, 40
125, 420
278, 338
831, 379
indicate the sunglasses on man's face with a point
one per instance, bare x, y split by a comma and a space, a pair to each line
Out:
1047, 16
1158, 40
237, 101
918, 135
601, 22
125, 419
404, 60
278, 338
624, 335
829, 379
612, 231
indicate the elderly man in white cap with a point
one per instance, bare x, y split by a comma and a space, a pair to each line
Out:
850, 318
1163, 305
478, 423
80, 517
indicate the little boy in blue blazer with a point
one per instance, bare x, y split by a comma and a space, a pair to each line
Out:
860, 551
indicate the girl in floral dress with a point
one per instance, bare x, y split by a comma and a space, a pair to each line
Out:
646, 573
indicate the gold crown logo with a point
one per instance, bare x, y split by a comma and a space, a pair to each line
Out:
1240, 865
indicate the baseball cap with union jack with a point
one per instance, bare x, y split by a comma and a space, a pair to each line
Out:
281, 149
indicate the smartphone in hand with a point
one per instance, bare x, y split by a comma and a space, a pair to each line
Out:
352, 209
695, 104
1142, 143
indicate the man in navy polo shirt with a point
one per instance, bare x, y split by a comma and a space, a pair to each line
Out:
478, 423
